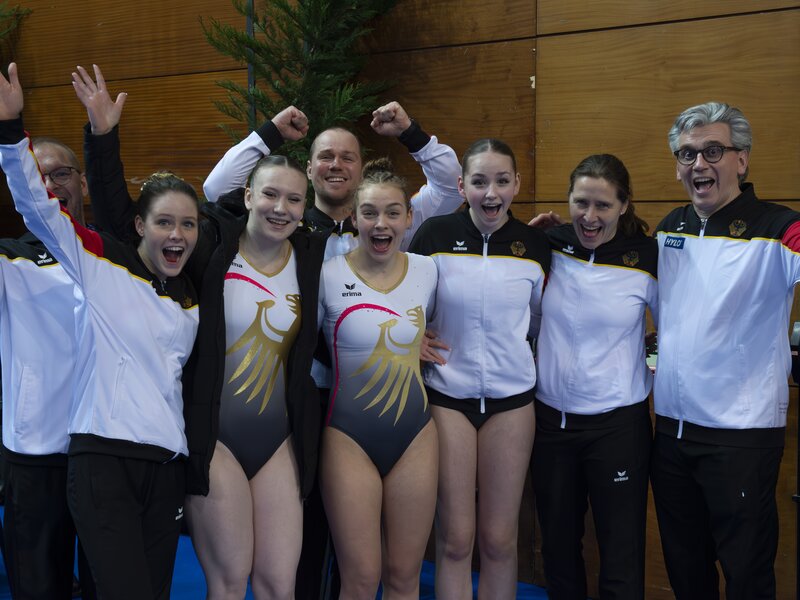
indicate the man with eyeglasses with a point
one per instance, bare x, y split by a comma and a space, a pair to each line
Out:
727, 267
37, 343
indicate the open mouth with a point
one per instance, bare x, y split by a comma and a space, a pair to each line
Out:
702, 184
590, 232
492, 210
381, 243
173, 254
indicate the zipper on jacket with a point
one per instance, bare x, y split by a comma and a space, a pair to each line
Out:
680, 428
485, 237
563, 419
703, 227
591, 258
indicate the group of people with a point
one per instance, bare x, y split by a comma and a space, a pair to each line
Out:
169, 363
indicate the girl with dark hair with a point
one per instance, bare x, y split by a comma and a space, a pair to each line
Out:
136, 321
593, 429
379, 449
252, 417
492, 270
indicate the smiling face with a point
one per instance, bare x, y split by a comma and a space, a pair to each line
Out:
710, 186
335, 168
53, 158
169, 233
382, 217
489, 184
276, 200
595, 209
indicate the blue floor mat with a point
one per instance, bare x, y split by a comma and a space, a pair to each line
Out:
188, 582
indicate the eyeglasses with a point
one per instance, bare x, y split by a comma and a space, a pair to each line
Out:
61, 175
711, 154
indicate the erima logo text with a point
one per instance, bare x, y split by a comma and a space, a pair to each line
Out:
350, 287
44, 259
569, 250
621, 476
459, 247
674, 242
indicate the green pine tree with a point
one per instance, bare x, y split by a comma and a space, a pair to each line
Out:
304, 53
10, 19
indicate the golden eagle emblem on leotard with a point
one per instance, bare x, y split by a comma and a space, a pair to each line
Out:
399, 369
266, 357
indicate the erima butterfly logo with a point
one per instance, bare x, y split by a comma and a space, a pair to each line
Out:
44, 259
460, 247
569, 250
350, 287
621, 476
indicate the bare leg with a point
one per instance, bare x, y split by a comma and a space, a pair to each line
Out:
277, 525
409, 502
455, 513
221, 525
352, 492
504, 453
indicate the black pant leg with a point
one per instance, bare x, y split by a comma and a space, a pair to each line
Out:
739, 487
561, 503
617, 465
161, 523
104, 498
683, 521
38, 530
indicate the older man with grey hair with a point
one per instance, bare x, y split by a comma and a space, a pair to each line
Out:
728, 264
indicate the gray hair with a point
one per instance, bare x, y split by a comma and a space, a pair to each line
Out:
709, 113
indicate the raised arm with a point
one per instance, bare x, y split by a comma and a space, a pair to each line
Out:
112, 206
67, 240
439, 196
232, 170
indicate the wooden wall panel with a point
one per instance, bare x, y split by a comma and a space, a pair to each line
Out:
167, 122
619, 92
462, 94
559, 16
425, 24
147, 38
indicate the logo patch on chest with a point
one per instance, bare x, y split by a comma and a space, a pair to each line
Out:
630, 259
518, 249
737, 227
350, 287
460, 247
673, 241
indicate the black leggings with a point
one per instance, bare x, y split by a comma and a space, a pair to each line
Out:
128, 513
602, 459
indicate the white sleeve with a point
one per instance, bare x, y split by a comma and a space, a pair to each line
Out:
70, 243
232, 170
439, 195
